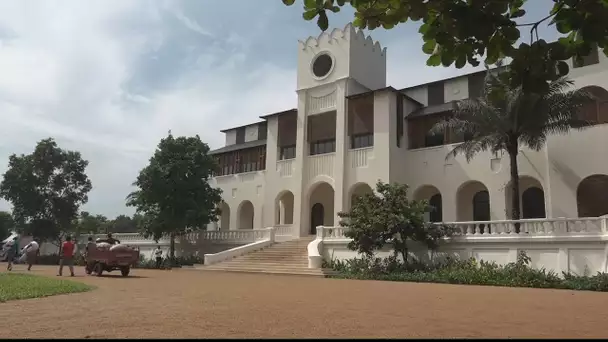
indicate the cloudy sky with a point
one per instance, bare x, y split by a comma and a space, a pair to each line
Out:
109, 78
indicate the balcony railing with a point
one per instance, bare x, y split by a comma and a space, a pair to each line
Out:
529, 228
360, 157
321, 165
285, 167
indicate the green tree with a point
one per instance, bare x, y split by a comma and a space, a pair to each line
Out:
389, 217
7, 224
505, 118
46, 189
92, 224
123, 224
174, 195
459, 32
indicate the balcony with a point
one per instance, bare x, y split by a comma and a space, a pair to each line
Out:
285, 167
321, 165
360, 158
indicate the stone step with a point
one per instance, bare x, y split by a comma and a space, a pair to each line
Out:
267, 257
259, 266
262, 263
308, 272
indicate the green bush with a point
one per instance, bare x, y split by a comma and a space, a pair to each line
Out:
469, 272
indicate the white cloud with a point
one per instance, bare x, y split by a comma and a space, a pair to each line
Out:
65, 69
74, 70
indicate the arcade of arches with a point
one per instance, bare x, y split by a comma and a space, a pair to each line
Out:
472, 202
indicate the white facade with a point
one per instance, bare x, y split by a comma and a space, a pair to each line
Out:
266, 181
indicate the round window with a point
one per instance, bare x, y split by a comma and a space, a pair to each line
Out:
322, 65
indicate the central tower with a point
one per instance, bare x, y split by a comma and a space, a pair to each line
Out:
331, 67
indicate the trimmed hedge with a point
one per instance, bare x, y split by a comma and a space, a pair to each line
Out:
467, 272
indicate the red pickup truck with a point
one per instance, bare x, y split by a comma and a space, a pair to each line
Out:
106, 257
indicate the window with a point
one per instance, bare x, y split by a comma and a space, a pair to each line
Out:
262, 130
240, 135
247, 160
322, 65
418, 129
436, 93
322, 147
596, 110
287, 152
591, 59
431, 140
362, 140
476, 83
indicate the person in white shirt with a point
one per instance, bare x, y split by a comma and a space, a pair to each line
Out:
30, 251
158, 253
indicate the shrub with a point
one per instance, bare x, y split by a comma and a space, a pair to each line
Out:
470, 272
388, 217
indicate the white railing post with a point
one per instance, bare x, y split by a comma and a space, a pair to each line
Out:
320, 232
271, 234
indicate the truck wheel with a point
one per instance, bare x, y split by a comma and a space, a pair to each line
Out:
125, 271
87, 269
98, 269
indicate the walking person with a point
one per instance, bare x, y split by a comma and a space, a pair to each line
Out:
30, 251
11, 253
158, 253
67, 256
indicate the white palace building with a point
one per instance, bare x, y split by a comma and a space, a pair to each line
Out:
286, 177
300, 167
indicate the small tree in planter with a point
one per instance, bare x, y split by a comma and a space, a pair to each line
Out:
389, 217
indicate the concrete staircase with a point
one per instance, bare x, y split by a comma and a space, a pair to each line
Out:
290, 257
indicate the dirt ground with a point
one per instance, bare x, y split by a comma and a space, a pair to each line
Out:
197, 304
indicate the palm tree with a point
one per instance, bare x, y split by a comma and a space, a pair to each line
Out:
506, 117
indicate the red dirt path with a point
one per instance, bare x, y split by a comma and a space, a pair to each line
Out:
196, 304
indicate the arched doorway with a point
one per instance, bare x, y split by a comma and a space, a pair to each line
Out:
321, 204
433, 196
225, 216
245, 215
436, 214
533, 203
592, 196
284, 208
481, 206
531, 198
317, 214
359, 190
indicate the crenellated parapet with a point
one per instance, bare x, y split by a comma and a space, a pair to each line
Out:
346, 54
348, 35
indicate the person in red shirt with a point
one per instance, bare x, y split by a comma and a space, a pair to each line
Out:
67, 256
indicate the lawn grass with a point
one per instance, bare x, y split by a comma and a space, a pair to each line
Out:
15, 286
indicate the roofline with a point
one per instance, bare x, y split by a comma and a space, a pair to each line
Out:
391, 88
292, 110
237, 127
453, 77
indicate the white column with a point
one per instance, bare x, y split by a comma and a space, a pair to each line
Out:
340, 190
301, 210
